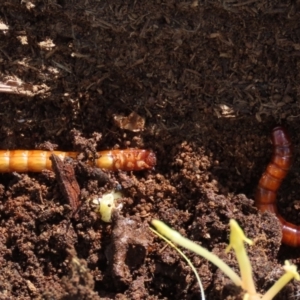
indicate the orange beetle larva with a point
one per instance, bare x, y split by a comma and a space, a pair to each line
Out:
277, 169
38, 160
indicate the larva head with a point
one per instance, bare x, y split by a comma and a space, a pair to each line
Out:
280, 137
150, 159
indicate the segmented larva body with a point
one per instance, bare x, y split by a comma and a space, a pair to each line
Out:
271, 180
38, 160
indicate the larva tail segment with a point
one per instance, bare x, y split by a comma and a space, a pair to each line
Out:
29, 160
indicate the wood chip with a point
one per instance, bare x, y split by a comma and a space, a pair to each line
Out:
68, 184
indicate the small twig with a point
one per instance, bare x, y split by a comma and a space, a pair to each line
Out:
4, 88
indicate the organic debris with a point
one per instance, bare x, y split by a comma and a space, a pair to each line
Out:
68, 184
133, 122
128, 249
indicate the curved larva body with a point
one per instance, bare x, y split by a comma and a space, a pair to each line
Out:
38, 160
265, 198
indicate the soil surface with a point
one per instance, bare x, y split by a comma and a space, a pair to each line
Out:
210, 79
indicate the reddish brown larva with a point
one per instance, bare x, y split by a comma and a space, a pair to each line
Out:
38, 160
270, 182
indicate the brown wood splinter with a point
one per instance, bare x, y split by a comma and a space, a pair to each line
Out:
68, 184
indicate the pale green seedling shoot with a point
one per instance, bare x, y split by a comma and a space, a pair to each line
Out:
186, 259
237, 239
236, 242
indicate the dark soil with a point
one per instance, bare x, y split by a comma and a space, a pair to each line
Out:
210, 78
